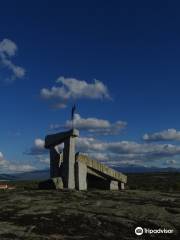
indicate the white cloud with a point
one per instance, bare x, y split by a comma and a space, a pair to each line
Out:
39, 150
72, 88
8, 49
20, 168
116, 153
43, 159
2, 160
126, 151
39, 143
166, 135
12, 167
93, 125
171, 162
38, 147
40, 153
1, 156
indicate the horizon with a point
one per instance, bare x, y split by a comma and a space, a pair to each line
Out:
118, 62
127, 169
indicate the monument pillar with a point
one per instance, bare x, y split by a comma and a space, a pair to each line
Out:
54, 162
114, 185
122, 186
81, 176
69, 163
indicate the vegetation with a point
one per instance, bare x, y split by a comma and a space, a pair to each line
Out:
28, 213
168, 182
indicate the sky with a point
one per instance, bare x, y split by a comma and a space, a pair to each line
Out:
118, 61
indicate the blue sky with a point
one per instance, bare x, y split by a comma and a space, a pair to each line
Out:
131, 48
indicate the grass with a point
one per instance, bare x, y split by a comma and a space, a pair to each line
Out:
155, 181
28, 213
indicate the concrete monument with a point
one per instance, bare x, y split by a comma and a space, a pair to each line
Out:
62, 167
71, 170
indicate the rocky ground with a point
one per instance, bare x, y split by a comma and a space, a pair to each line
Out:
67, 215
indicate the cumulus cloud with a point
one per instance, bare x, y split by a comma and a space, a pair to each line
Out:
166, 135
71, 88
20, 168
12, 167
128, 147
121, 152
43, 159
2, 160
1, 156
8, 47
126, 151
38, 147
171, 162
8, 50
93, 125
40, 151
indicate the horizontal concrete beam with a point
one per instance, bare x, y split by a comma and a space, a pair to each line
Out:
95, 173
58, 138
101, 168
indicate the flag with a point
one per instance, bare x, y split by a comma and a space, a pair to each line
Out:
72, 112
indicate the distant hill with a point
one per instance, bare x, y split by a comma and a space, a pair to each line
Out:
35, 175
4, 177
142, 169
44, 174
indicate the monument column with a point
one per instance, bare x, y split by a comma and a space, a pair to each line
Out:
81, 175
69, 160
54, 162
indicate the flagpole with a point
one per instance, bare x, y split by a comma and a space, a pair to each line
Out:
72, 115
73, 123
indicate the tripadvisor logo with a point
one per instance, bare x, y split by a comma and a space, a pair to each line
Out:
139, 231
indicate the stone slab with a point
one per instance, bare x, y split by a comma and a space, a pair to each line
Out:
58, 138
81, 176
101, 168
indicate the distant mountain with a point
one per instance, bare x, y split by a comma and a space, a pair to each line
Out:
4, 177
142, 169
44, 174
35, 175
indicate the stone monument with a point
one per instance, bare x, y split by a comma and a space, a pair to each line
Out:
71, 170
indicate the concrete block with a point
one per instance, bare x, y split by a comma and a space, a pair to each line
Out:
53, 183
58, 138
114, 185
81, 176
69, 163
122, 186
58, 183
